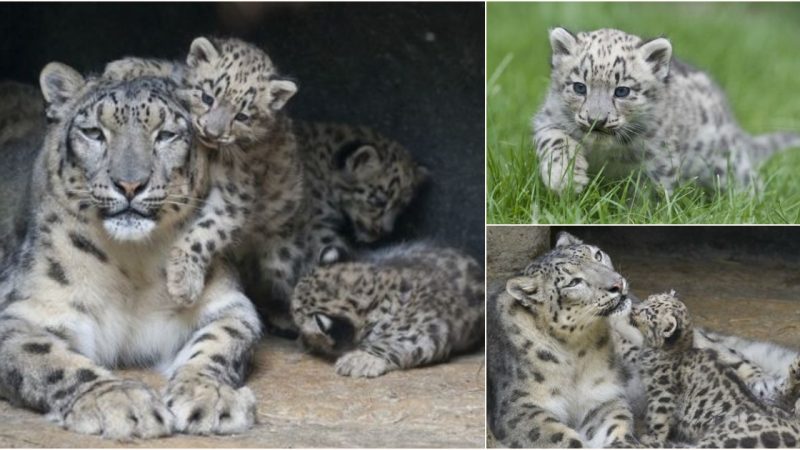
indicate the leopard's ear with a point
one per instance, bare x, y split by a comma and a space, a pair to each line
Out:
657, 53
364, 162
525, 290
669, 328
201, 51
59, 83
563, 44
280, 91
565, 239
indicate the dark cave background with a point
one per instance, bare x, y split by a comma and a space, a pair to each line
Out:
412, 71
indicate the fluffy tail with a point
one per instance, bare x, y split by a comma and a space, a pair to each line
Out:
766, 145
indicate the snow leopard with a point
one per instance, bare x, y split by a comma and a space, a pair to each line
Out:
117, 178
236, 97
395, 308
357, 183
618, 102
554, 377
692, 394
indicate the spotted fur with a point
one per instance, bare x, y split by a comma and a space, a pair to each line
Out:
554, 378
357, 182
117, 177
398, 308
621, 102
236, 98
692, 394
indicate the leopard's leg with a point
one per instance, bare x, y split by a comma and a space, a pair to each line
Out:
561, 160
524, 424
38, 370
610, 424
659, 415
326, 246
206, 391
790, 390
215, 227
400, 343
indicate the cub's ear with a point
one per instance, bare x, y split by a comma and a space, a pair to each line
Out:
563, 44
565, 239
363, 162
668, 327
59, 84
201, 51
658, 54
280, 91
524, 289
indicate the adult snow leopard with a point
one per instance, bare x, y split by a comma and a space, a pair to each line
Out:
117, 178
619, 101
554, 379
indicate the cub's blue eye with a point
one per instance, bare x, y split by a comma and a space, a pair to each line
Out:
207, 99
579, 88
622, 92
242, 117
94, 134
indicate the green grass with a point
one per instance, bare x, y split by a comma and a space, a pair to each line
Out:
749, 49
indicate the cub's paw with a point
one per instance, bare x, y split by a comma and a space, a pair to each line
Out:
557, 172
185, 278
203, 405
359, 363
119, 409
764, 387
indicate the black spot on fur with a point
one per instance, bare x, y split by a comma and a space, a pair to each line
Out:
56, 272
55, 376
232, 332
86, 375
546, 356
205, 337
196, 415
33, 347
83, 244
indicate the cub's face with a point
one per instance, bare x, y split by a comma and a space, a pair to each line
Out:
127, 150
608, 81
234, 91
378, 183
573, 286
325, 306
663, 321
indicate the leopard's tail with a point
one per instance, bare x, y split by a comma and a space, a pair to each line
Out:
766, 145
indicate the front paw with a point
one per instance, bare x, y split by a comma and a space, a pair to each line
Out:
203, 405
764, 387
119, 409
185, 278
650, 441
558, 173
359, 363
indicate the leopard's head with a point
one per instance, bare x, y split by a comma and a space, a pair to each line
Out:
377, 181
121, 151
234, 91
328, 306
608, 82
663, 321
572, 287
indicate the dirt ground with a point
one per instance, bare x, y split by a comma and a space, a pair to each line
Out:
303, 403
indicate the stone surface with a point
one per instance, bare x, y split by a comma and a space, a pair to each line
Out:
303, 403
511, 248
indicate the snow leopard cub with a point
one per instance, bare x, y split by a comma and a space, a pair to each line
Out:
692, 394
624, 102
236, 96
396, 308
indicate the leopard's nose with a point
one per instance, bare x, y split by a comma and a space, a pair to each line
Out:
130, 188
619, 287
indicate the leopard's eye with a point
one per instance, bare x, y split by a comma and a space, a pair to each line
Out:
622, 92
242, 117
579, 88
165, 136
598, 255
93, 133
574, 282
377, 202
207, 99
